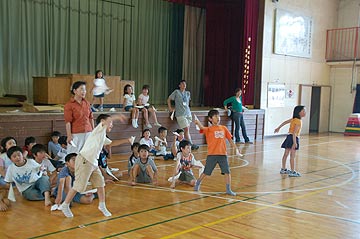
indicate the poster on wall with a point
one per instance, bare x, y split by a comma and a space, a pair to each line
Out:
293, 34
276, 95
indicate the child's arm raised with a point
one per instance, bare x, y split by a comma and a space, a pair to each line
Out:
282, 124
198, 123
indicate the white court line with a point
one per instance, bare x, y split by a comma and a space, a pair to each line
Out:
341, 204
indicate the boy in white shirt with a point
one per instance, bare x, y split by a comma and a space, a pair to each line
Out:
86, 164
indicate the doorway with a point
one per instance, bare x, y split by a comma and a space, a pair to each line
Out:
315, 109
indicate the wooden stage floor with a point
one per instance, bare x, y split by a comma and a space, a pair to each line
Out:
323, 203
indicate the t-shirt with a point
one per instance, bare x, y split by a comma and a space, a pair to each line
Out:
100, 86
236, 105
216, 136
186, 162
94, 144
23, 176
54, 148
102, 160
293, 123
129, 99
149, 142
5, 161
143, 99
143, 166
47, 165
62, 154
162, 148
132, 161
182, 100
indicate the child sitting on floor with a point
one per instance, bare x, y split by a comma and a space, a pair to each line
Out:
144, 170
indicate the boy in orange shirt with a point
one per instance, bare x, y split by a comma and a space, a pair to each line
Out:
216, 136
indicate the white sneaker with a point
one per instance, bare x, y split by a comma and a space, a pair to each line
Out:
157, 124
148, 126
132, 140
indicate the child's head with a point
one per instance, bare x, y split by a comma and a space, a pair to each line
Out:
79, 89
99, 74
128, 89
185, 147
182, 85
70, 161
55, 136
162, 131
30, 142
39, 152
15, 155
146, 133
214, 117
135, 147
106, 119
7, 143
63, 142
143, 151
181, 134
299, 112
145, 89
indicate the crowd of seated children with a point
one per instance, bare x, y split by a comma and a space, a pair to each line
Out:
161, 144
144, 169
29, 143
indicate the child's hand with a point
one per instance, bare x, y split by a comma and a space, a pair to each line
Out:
276, 130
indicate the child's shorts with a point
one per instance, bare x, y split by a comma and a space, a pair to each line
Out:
186, 176
184, 121
100, 96
211, 162
2, 181
127, 108
288, 143
143, 177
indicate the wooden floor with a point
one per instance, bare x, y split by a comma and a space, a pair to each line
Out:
323, 203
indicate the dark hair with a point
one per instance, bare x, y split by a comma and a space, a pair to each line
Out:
69, 156
126, 87
4, 141
181, 82
142, 135
144, 146
37, 148
136, 144
96, 72
62, 140
179, 131
237, 90
146, 87
212, 113
76, 85
12, 150
55, 133
161, 129
297, 110
183, 144
29, 140
102, 117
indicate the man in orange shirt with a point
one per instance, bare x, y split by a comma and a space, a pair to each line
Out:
216, 136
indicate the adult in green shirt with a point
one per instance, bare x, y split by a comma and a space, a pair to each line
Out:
237, 115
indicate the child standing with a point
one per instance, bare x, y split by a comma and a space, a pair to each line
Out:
26, 174
86, 164
129, 105
291, 143
143, 100
185, 161
144, 170
216, 136
99, 90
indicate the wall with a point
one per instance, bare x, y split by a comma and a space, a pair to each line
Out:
290, 70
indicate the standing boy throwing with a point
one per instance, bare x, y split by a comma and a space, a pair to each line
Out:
86, 164
216, 136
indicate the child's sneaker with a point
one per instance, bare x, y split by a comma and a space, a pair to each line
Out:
294, 174
101, 108
132, 140
93, 109
197, 186
157, 124
285, 171
148, 126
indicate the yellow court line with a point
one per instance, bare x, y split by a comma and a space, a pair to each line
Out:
240, 215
